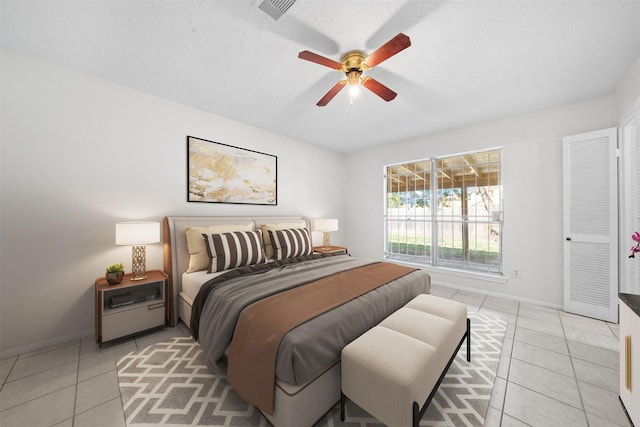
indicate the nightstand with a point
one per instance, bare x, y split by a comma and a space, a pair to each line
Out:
330, 249
129, 307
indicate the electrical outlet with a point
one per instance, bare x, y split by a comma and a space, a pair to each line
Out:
516, 273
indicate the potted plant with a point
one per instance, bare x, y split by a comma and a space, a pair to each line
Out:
115, 273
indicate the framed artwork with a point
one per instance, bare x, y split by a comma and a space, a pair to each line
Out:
220, 173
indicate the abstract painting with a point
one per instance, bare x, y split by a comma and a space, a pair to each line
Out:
220, 173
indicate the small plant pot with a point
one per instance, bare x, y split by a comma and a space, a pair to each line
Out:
115, 277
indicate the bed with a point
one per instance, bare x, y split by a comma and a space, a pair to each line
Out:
300, 397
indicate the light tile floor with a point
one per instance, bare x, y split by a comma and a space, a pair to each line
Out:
556, 369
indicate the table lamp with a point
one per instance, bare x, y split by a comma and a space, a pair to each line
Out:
137, 234
326, 225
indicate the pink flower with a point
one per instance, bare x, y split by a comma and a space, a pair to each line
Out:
635, 249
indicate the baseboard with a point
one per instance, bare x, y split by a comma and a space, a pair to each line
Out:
498, 295
44, 344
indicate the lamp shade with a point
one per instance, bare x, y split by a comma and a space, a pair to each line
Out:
325, 224
137, 233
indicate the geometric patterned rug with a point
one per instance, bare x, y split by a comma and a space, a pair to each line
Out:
168, 384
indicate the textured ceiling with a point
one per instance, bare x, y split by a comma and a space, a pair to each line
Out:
470, 61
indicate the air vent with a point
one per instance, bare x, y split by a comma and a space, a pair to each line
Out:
276, 8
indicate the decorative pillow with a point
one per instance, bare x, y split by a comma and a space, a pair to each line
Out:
291, 242
235, 249
198, 259
268, 248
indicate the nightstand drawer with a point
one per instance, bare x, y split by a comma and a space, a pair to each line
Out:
137, 319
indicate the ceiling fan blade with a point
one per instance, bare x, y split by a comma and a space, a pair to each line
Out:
332, 92
387, 50
319, 59
378, 88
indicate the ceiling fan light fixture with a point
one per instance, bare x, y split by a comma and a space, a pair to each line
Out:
353, 78
354, 91
353, 63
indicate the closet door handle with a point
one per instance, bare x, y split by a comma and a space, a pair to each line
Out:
627, 362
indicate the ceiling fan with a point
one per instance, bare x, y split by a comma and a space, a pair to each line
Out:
354, 62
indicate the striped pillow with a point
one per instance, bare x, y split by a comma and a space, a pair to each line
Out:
291, 242
234, 249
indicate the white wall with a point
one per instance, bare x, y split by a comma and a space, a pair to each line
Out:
532, 182
628, 106
79, 154
628, 92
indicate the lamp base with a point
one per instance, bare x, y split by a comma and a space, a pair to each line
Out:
138, 262
326, 239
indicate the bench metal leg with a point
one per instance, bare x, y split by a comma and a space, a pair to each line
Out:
419, 413
416, 415
468, 340
343, 401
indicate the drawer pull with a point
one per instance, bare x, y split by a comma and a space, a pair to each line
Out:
154, 306
627, 362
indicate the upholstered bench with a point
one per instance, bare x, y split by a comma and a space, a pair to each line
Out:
400, 362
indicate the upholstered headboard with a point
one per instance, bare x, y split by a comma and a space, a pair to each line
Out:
176, 254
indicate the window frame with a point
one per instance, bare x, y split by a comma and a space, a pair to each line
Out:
434, 221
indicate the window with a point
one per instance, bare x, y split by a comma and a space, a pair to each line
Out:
446, 211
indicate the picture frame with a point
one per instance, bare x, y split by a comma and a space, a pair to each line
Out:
221, 173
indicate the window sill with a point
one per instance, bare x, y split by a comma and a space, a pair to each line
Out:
478, 275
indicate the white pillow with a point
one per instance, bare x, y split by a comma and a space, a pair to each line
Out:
198, 257
268, 248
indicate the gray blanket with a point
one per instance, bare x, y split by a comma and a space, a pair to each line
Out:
309, 349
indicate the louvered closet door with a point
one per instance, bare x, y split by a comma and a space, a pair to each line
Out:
591, 225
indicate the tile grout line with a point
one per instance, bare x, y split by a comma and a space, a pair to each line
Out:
43, 395
75, 395
575, 375
508, 373
617, 337
542, 394
551, 370
40, 397
13, 365
119, 397
498, 366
